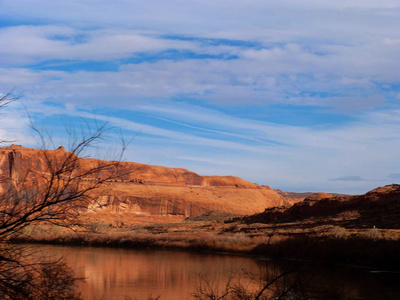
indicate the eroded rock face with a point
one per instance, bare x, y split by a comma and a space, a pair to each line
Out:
144, 189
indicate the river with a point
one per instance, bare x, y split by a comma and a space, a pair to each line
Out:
128, 274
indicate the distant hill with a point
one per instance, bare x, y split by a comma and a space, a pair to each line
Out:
301, 196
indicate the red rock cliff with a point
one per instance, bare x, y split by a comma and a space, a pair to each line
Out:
147, 190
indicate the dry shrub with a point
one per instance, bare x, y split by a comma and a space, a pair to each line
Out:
233, 289
372, 234
339, 232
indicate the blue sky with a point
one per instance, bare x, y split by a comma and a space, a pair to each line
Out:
298, 95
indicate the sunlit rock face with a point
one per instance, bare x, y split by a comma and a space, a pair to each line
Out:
142, 189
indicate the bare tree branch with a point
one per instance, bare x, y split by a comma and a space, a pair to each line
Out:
55, 189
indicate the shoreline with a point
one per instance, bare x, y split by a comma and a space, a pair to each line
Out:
355, 251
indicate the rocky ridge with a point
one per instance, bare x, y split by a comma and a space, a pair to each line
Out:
379, 207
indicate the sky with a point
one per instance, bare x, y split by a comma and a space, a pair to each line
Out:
297, 95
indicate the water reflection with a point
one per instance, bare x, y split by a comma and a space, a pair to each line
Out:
118, 273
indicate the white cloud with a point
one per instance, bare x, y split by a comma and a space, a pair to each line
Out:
340, 56
242, 81
299, 157
308, 48
34, 44
14, 125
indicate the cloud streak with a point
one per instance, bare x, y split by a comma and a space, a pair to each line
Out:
295, 155
284, 93
348, 178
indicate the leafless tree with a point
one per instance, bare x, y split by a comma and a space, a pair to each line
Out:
53, 188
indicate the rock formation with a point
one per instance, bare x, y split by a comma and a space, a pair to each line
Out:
144, 189
379, 207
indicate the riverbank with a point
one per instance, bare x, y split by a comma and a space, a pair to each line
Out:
371, 247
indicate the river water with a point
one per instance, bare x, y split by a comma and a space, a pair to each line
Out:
135, 274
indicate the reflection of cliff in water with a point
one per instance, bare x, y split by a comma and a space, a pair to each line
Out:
116, 273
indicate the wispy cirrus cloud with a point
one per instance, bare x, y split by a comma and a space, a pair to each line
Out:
232, 144
349, 178
280, 92
28, 44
